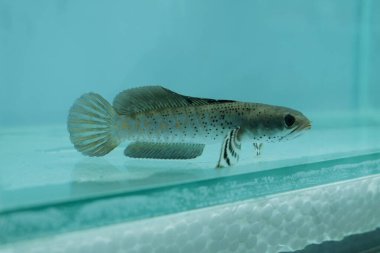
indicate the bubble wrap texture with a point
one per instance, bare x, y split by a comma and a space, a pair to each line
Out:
282, 222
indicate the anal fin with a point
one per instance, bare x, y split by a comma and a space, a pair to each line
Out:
153, 150
229, 154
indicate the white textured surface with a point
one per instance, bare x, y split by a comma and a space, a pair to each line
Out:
282, 222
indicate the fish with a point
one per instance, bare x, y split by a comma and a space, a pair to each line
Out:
159, 123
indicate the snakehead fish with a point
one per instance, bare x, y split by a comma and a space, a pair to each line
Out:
161, 124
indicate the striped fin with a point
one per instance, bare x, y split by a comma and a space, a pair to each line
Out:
258, 147
231, 147
152, 150
149, 98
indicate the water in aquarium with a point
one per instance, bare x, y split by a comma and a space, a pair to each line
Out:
189, 126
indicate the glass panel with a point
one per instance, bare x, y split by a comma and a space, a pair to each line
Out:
56, 177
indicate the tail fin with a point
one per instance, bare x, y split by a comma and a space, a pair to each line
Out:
91, 124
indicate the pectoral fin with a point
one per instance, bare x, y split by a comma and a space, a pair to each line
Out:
152, 150
231, 147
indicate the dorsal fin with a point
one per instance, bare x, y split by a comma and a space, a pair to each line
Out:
155, 97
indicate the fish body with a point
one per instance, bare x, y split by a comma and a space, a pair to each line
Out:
193, 124
162, 124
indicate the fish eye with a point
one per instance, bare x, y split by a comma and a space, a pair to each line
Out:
289, 120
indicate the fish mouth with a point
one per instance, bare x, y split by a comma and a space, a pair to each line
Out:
306, 126
297, 130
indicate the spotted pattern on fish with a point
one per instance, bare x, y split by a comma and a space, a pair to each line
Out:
162, 124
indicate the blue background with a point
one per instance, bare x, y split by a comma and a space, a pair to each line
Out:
315, 56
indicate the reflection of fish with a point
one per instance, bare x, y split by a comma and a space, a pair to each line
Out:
162, 124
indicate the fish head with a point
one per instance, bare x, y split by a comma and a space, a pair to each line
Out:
276, 123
